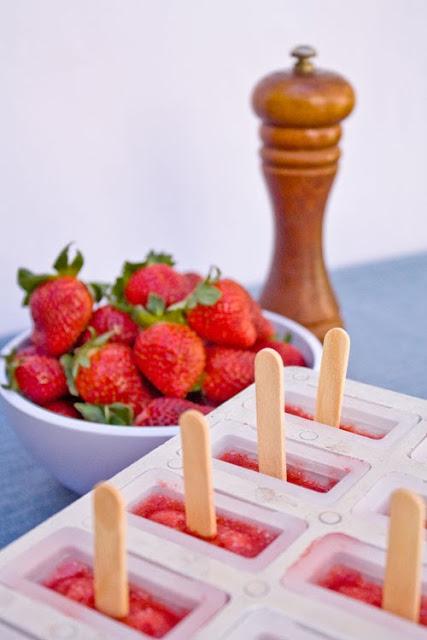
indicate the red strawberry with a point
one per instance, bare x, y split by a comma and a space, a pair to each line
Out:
156, 276
160, 279
63, 407
171, 356
228, 371
39, 378
105, 373
109, 318
60, 304
291, 356
228, 322
166, 411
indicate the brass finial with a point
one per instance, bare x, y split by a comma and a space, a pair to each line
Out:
303, 53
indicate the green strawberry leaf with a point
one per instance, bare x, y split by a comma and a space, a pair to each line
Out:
207, 294
67, 362
158, 258
117, 413
29, 281
155, 304
287, 338
98, 290
64, 267
11, 362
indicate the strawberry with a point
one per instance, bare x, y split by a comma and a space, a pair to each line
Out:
60, 304
171, 356
228, 322
291, 356
63, 407
228, 371
108, 318
166, 411
104, 373
39, 378
155, 275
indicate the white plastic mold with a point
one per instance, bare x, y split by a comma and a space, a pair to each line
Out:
376, 503
269, 624
260, 595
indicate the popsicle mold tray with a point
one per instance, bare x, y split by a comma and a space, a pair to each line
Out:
329, 519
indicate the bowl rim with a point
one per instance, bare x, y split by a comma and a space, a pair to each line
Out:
39, 413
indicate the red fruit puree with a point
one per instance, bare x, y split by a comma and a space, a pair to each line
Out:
297, 411
295, 475
245, 539
353, 584
74, 580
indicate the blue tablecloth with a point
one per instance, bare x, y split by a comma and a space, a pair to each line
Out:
385, 308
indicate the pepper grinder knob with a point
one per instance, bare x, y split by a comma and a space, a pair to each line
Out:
303, 53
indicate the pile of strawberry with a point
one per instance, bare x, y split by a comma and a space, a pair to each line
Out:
160, 342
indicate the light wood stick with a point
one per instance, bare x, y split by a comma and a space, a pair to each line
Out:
110, 567
270, 411
402, 584
333, 371
200, 514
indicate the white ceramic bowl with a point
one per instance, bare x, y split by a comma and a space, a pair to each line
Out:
80, 453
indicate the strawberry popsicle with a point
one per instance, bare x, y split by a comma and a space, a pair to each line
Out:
242, 538
74, 580
301, 413
313, 481
354, 584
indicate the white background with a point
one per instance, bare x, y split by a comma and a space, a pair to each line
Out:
125, 125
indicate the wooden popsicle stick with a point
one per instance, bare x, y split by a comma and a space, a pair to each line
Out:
333, 371
270, 404
110, 566
200, 514
402, 584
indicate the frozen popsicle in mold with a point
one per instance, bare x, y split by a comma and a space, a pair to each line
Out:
296, 474
75, 580
348, 567
58, 572
240, 537
196, 514
351, 428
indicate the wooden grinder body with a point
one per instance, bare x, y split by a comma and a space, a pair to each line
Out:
301, 110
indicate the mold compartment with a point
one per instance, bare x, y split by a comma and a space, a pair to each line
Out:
377, 500
270, 624
317, 475
344, 572
249, 536
361, 419
177, 611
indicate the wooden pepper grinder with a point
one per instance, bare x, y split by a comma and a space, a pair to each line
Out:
301, 110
